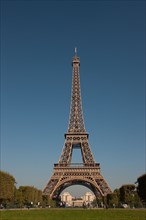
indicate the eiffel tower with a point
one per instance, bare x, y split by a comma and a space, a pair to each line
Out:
86, 173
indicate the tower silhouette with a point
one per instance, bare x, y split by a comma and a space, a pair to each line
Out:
86, 173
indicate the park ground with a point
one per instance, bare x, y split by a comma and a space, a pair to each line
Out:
73, 214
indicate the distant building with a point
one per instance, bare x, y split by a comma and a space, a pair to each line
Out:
88, 197
78, 202
69, 200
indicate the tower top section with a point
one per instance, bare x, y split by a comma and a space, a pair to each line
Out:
76, 121
75, 59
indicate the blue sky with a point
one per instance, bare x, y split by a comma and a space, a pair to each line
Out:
37, 44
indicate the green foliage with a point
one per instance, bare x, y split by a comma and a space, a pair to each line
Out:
98, 202
126, 192
128, 195
112, 200
142, 187
27, 195
18, 198
48, 202
7, 186
12, 197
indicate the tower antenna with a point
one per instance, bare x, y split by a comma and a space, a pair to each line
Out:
75, 51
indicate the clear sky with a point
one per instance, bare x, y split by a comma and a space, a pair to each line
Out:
37, 44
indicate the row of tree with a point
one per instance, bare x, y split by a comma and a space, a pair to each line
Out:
29, 196
126, 196
10, 196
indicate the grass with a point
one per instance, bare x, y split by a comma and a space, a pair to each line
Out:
73, 214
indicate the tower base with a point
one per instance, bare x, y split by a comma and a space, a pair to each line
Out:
76, 174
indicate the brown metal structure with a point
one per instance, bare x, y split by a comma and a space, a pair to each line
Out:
87, 173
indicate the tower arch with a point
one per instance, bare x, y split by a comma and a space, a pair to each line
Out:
67, 182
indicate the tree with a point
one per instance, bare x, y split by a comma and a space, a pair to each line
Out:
18, 198
30, 195
7, 187
141, 189
112, 200
127, 194
48, 202
12, 197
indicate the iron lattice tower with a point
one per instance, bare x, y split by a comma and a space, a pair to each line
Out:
87, 173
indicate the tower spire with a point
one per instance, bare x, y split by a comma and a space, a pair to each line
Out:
75, 51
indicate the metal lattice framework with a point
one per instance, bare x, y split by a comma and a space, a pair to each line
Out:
87, 173
76, 122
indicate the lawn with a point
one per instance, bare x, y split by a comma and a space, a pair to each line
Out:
73, 214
